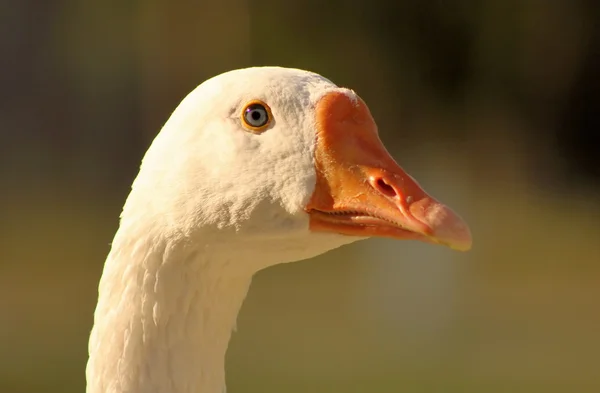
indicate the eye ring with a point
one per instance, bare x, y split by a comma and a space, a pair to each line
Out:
256, 116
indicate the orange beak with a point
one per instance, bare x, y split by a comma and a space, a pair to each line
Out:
362, 191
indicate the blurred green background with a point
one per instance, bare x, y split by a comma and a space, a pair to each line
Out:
493, 106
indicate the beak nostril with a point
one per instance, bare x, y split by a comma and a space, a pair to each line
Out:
385, 188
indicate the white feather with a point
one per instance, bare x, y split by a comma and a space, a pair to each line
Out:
212, 204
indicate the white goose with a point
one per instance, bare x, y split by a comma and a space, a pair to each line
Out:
255, 167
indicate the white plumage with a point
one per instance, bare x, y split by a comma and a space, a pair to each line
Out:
214, 202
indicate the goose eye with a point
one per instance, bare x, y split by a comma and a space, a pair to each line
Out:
256, 116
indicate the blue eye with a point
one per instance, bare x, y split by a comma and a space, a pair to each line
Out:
256, 115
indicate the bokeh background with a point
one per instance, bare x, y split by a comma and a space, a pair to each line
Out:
493, 106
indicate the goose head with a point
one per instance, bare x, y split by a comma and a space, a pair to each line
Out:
284, 163
255, 167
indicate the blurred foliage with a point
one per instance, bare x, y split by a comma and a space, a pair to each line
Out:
493, 106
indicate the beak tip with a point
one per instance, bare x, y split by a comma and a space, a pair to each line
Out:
461, 240
464, 247
454, 233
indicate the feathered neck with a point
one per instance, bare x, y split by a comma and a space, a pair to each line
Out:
164, 318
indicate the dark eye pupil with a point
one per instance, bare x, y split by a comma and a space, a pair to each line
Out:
256, 115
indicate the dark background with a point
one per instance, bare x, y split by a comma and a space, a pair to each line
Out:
493, 106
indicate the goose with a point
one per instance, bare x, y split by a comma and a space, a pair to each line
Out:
255, 167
